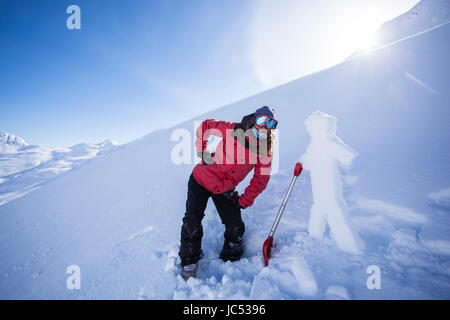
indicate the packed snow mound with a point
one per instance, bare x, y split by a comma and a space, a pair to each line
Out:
337, 293
25, 167
10, 142
424, 15
89, 150
107, 144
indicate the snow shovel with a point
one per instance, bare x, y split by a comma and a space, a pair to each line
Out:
269, 241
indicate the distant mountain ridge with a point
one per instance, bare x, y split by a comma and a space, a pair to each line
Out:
424, 15
9, 142
25, 167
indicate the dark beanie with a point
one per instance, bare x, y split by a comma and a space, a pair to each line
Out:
268, 111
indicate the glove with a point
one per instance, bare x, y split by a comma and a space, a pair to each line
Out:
233, 196
206, 156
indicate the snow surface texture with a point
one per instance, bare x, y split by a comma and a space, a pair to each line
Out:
323, 155
24, 167
118, 217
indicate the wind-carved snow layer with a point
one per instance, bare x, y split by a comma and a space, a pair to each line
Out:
323, 154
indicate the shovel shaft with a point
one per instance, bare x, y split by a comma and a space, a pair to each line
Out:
283, 206
269, 241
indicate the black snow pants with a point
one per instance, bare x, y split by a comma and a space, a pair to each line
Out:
192, 230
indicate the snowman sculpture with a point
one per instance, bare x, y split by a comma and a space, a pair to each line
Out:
322, 158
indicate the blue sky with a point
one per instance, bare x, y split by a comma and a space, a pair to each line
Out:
136, 66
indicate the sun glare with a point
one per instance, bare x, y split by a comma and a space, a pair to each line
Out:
359, 33
366, 41
293, 38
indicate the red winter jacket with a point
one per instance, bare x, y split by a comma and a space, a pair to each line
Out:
236, 155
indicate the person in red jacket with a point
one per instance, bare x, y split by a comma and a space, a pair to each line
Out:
244, 147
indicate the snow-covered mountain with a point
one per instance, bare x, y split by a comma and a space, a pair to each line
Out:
424, 15
10, 143
25, 167
118, 217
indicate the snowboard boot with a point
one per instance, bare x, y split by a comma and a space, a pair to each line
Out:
232, 250
189, 271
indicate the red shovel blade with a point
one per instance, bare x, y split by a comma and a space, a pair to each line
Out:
266, 249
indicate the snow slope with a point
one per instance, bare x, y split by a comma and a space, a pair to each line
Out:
424, 15
24, 167
119, 216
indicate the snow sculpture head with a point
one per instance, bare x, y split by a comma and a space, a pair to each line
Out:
321, 125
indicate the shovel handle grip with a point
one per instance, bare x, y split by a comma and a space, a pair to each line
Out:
298, 169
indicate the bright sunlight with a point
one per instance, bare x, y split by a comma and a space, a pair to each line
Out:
290, 39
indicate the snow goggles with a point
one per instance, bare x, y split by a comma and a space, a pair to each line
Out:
264, 121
